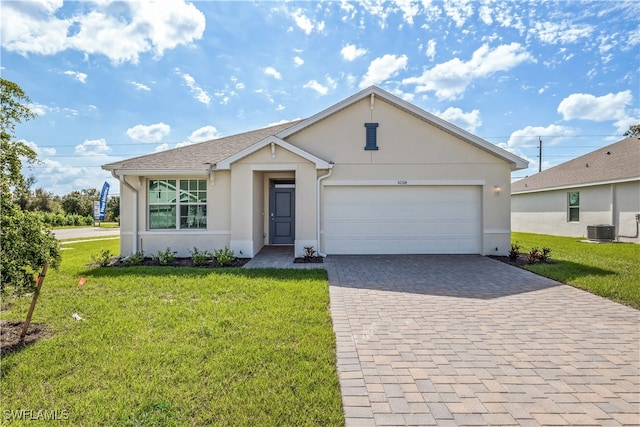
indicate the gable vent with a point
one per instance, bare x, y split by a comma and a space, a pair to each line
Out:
372, 137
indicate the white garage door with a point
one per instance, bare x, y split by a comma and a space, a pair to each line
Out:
402, 220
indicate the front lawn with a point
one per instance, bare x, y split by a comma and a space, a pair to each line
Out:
611, 270
176, 346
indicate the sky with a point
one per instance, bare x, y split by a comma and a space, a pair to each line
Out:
112, 80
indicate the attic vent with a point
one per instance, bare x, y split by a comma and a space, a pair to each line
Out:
372, 137
601, 233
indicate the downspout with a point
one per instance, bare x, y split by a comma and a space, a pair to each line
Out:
320, 179
135, 209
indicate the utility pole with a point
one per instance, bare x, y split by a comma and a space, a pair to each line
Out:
540, 155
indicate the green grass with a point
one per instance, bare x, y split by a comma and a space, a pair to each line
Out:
611, 270
177, 346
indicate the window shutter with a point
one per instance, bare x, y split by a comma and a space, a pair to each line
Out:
372, 137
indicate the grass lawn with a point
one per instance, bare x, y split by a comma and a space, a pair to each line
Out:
611, 270
177, 346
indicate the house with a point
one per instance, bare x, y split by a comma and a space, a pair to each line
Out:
372, 174
601, 187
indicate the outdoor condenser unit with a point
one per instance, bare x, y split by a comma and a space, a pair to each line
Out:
601, 233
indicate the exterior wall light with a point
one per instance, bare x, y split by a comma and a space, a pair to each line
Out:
496, 190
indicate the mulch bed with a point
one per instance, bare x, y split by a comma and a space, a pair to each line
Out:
521, 261
182, 262
10, 341
309, 260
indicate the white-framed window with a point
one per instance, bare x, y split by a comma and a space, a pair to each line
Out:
177, 204
573, 206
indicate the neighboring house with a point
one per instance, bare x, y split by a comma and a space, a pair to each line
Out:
372, 174
601, 187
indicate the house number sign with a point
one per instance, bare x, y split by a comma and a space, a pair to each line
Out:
402, 182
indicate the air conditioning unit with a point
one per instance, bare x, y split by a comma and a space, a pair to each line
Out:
601, 233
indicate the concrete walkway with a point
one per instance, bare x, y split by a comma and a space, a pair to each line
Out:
467, 340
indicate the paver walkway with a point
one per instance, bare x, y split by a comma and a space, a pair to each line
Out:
467, 340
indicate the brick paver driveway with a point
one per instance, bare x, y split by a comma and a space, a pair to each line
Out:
467, 340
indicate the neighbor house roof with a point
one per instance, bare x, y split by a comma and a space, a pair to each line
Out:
613, 163
206, 155
199, 156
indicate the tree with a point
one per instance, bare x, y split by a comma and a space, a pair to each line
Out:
113, 209
26, 245
634, 130
80, 202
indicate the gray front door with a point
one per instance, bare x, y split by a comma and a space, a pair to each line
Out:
282, 203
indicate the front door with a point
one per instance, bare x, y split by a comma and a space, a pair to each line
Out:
282, 203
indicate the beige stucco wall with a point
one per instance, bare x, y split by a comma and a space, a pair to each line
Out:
415, 152
251, 175
546, 212
216, 236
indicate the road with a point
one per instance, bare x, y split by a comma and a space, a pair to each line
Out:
78, 233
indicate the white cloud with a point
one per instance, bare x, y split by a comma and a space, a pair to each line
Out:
350, 52
450, 79
459, 10
302, 21
204, 133
39, 109
597, 108
563, 32
280, 107
161, 147
409, 10
470, 121
240, 86
81, 77
431, 49
270, 71
298, 61
140, 86
610, 107
150, 134
313, 84
485, 14
40, 151
120, 31
528, 136
383, 68
199, 93
93, 147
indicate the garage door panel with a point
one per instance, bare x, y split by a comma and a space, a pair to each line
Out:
379, 220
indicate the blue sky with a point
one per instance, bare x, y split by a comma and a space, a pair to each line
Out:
112, 80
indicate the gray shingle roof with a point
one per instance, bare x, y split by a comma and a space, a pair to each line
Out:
200, 155
614, 162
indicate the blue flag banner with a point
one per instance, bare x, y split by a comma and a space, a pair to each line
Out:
103, 200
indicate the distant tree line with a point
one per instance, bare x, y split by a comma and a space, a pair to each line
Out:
77, 204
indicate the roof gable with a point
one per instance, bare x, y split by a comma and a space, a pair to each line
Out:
616, 162
372, 92
226, 163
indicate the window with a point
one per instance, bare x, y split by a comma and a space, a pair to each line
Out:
177, 204
573, 199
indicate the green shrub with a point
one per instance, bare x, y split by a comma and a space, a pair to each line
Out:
135, 258
165, 257
102, 259
224, 256
200, 257
309, 252
25, 246
514, 251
